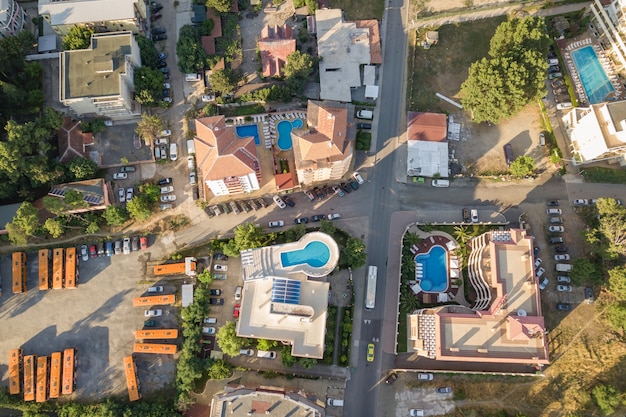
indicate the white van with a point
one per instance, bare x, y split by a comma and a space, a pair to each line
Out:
173, 151
335, 402
564, 106
238, 293
553, 61
441, 183
563, 267
191, 147
365, 114
193, 77
266, 354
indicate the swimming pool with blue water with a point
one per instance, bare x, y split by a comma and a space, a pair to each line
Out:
284, 128
246, 131
596, 83
434, 269
315, 254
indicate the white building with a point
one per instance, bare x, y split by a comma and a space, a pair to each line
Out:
100, 80
598, 132
427, 145
608, 24
12, 18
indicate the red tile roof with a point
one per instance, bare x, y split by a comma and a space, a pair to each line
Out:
376, 54
275, 46
208, 44
220, 153
431, 127
72, 140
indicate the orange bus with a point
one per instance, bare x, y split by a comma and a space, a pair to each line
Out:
29, 377
170, 269
44, 269
16, 357
156, 334
69, 375
154, 348
55, 375
154, 300
131, 378
19, 272
42, 379
57, 268
71, 268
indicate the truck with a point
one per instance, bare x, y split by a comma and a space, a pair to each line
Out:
563, 267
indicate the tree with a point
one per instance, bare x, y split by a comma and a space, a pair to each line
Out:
299, 65
612, 225
115, 216
228, 341
286, 358
79, 37
222, 6
148, 86
616, 316
92, 227
206, 277
312, 6
139, 208
54, 227
328, 227
606, 398
148, 53
264, 344
24, 224
583, 269
247, 236
522, 166
219, 370
223, 81
353, 255
82, 169
149, 127
513, 75
307, 363
617, 282
192, 56
295, 233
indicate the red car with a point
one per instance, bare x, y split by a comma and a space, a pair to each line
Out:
92, 251
236, 311
143, 243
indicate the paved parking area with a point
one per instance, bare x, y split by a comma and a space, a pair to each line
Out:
224, 313
97, 318
117, 142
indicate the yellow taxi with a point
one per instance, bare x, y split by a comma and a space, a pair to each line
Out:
370, 352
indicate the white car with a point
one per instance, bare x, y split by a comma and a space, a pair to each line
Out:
564, 288
168, 198
157, 152
120, 176
129, 193
166, 207
192, 178
539, 272
126, 246
538, 262
167, 86
564, 257
556, 229
158, 288
207, 98
416, 412
358, 178
108, 123
208, 330
277, 223
191, 163
165, 132
153, 313
220, 267
563, 279
424, 377
333, 216
543, 284
581, 202
173, 152
279, 202
84, 253
167, 189
162, 141
122, 195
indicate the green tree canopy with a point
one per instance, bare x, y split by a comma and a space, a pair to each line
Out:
24, 224
617, 282
222, 6
206, 277
115, 216
299, 65
512, 76
264, 344
247, 236
148, 53
219, 370
353, 255
149, 127
54, 227
78, 37
191, 55
148, 86
612, 225
522, 166
223, 81
607, 398
82, 169
228, 341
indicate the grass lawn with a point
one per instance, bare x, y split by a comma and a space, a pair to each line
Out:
444, 67
360, 9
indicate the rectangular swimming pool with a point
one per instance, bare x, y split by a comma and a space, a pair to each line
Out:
596, 83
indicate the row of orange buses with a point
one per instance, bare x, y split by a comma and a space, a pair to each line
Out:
132, 382
43, 378
64, 268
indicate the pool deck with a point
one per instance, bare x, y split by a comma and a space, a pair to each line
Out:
575, 44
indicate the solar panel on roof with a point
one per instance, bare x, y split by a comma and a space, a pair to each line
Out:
285, 291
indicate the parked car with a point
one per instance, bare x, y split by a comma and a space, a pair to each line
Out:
153, 313
216, 301
173, 151
345, 187
220, 256
552, 203
358, 178
165, 181
474, 214
215, 291
301, 220
556, 229
158, 31
589, 295
246, 352
156, 289
126, 246
556, 220
333, 216
354, 185
309, 195
156, 38
466, 215
220, 267
279, 202
424, 377
564, 257
289, 201
581, 202
561, 249
207, 98
544, 283
167, 189
143, 243
128, 168
109, 248
166, 206
163, 148
538, 262
236, 310
221, 277
134, 243
262, 202
162, 56
557, 83
563, 307
337, 190
168, 198
320, 194
150, 323
563, 279
444, 390
391, 378
318, 217
564, 288
234, 207
554, 75
84, 255
277, 223
208, 330
129, 193
539, 272
245, 206
121, 193
370, 352
191, 163
120, 176
416, 412
364, 126
100, 246
555, 240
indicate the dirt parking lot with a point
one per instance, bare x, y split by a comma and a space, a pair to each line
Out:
97, 318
